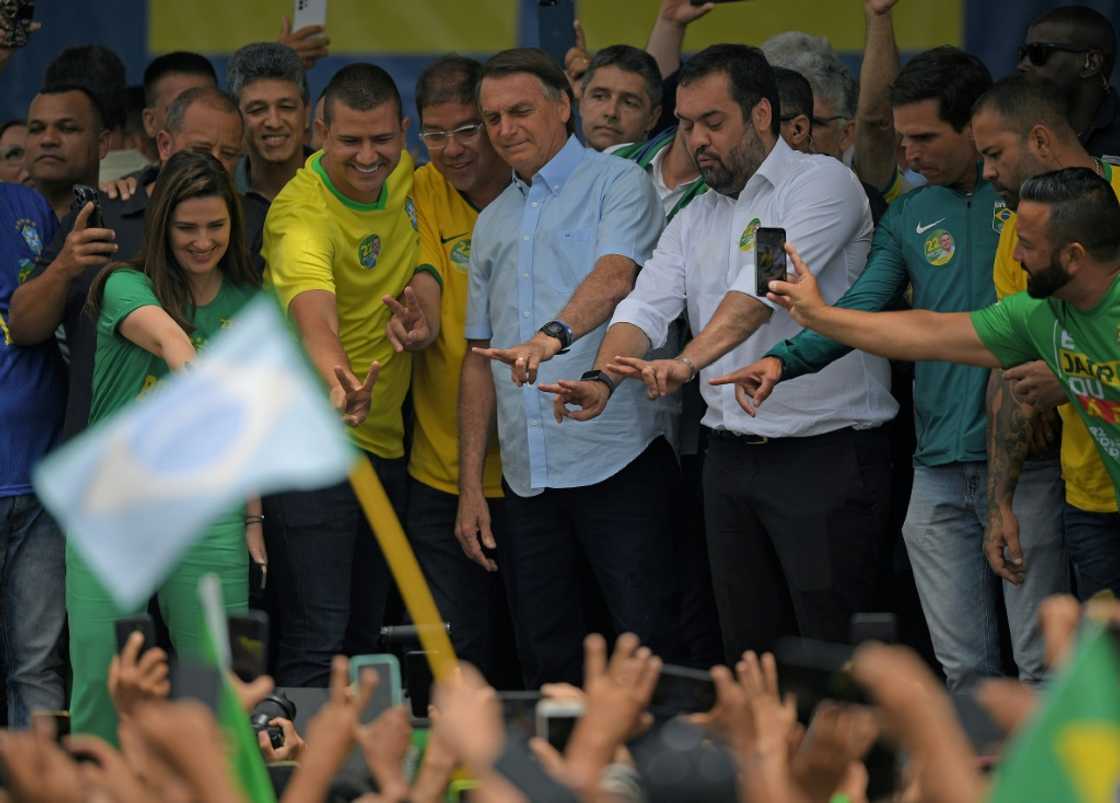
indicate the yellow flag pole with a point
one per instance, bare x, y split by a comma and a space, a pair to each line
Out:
402, 563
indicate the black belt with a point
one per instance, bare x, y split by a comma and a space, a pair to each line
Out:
740, 438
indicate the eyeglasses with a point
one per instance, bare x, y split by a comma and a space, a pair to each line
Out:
464, 135
827, 120
1038, 53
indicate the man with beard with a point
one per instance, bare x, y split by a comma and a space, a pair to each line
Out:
808, 566
940, 240
1069, 247
1021, 130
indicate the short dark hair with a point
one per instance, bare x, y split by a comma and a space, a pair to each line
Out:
750, 75
950, 76
134, 110
536, 62
4, 126
209, 95
794, 93
99, 114
629, 59
99, 71
1083, 209
450, 79
1092, 30
1025, 101
180, 61
360, 87
265, 60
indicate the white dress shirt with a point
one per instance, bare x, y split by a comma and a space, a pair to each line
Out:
708, 250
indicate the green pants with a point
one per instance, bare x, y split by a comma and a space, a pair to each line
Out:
92, 612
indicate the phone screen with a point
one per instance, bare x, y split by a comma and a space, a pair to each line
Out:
248, 644
769, 258
141, 623
681, 690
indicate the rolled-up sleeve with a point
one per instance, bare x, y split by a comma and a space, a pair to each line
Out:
658, 297
631, 218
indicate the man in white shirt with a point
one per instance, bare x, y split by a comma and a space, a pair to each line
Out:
795, 499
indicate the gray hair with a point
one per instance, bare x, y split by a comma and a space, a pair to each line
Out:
207, 95
813, 57
265, 60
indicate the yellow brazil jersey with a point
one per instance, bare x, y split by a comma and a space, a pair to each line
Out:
315, 238
446, 224
1088, 486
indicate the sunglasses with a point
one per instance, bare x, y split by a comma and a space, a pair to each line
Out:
1038, 53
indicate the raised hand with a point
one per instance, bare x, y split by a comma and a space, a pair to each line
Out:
682, 12
408, 329
310, 42
661, 377
577, 60
801, 297
122, 188
85, 247
878, 7
135, 679
525, 358
384, 743
351, 397
753, 384
590, 396
470, 718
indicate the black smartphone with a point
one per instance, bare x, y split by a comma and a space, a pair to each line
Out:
191, 680
815, 671
418, 680
15, 20
681, 690
881, 627
769, 258
84, 194
141, 623
519, 709
556, 26
248, 644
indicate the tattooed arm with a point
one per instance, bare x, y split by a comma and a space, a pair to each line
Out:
1015, 431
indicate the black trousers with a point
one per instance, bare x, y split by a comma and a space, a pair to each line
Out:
329, 576
470, 598
621, 529
795, 530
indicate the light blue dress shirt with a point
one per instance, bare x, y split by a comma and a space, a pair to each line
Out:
531, 248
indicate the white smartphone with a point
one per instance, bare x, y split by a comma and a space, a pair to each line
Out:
556, 719
309, 12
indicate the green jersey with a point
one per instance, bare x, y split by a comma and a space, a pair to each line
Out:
1081, 348
940, 242
122, 370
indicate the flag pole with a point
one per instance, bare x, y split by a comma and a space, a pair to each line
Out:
406, 571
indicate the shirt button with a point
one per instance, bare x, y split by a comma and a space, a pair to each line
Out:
525, 315
525, 238
535, 204
524, 275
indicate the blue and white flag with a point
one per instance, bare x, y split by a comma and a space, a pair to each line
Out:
248, 417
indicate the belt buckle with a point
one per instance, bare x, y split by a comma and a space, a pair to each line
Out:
755, 440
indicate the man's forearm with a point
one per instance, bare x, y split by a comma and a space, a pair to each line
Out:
622, 340
38, 307
477, 404
598, 294
665, 43
1009, 437
875, 160
317, 321
736, 318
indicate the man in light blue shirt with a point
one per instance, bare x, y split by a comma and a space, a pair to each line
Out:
551, 257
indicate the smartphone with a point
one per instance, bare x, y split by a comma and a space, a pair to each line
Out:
519, 711
84, 194
556, 27
418, 682
881, 627
769, 258
556, 719
681, 690
309, 12
815, 671
248, 644
15, 19
389, 692
142, 623
191, 680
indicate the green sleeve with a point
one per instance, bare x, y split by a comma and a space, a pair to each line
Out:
882, 282
1003, 328
125, 291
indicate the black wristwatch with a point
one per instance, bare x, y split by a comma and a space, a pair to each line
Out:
599, 376
561, 331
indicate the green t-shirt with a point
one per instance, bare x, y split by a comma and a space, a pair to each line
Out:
122, 371
1081, 348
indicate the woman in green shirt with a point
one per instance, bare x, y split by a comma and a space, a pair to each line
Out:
153, 314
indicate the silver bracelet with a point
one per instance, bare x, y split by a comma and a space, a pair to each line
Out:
690, 365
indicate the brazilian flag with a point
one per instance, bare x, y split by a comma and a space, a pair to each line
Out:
1071, 751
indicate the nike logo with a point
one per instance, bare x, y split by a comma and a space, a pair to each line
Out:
446, 240
923, 229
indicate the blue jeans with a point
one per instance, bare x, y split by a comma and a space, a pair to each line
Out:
944, 534
1093, 540
33, 577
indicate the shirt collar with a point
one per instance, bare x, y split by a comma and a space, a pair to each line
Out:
559, 167
777, 165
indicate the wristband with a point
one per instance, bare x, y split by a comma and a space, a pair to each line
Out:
692, 370
257, 519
